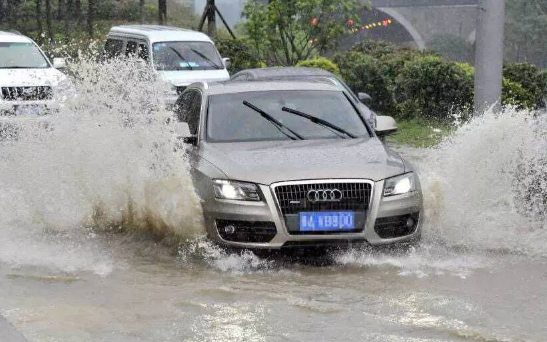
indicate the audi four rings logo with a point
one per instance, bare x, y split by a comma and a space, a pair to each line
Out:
325, 195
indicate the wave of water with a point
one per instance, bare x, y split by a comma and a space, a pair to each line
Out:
485, 190
485, 187
106, 160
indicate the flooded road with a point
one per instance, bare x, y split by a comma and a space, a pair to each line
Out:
430, 294
78, 261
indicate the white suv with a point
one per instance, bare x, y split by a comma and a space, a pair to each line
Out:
179, 56
29, 82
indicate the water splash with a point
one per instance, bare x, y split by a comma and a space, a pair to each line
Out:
105, 160
473, 185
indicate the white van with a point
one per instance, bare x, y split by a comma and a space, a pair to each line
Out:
179, 56
30, 85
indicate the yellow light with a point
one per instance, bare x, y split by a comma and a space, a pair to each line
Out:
389, 21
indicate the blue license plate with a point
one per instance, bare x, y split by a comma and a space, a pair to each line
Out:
327, 221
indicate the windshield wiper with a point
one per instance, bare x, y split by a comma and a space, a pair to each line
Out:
274, 121
181, 57
318, 121
206, 58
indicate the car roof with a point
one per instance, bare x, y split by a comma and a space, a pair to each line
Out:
288, 72
159, 33
13, 37
252, 86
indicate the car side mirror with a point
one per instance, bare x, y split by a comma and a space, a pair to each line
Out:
385, 125
59, 63
184, 134
364, 97
226, 61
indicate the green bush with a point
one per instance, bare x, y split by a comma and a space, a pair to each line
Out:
321, 63
514, 94
531, 79
377, 48
240, 53
363, 73
433, 88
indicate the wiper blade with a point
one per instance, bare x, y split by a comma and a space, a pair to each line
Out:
274, 121
181, 57
206, 58
318, 121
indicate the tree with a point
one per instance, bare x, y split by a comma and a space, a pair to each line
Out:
39, 17
162, 11
525, 31
287, 32
48, 20
68, 16
90, 17
141, 11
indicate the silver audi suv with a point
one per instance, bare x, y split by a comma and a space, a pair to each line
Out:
290, 164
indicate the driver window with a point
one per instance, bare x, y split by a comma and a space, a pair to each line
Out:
195, 111
188, 109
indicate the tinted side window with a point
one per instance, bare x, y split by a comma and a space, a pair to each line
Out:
195, 111
131, 48
183, 105
113, 48
143, 51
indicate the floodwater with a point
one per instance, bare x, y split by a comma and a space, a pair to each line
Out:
86, 202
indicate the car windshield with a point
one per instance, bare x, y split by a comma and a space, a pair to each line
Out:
230, 120
21, 56
170, 56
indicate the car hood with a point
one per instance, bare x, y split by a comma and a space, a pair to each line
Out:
186, 77
30, 77
275, 161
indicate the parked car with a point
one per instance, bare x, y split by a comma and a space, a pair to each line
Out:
283, 164
30, 85
303, 73
179, 56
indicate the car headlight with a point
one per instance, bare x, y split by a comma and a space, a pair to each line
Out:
399, 185
232, 190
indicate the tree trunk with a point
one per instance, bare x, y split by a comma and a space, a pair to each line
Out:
212, 19
2, 13
141, 11
78, 10
48, 20
69, 15
60, 9
39, 17
162, 12
90, 17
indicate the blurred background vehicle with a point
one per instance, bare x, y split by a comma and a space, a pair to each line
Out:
179, 56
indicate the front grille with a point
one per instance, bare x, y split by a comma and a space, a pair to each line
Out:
293, 199
26, 93
246, 231
396, 226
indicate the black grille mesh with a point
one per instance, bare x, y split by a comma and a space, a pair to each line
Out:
26, 93
293, 198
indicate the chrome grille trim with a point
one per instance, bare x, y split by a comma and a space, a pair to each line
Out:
301, 185
291, 196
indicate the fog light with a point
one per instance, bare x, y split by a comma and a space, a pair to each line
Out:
229, 229
410, 222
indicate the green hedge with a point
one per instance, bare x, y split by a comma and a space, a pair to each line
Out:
321, 63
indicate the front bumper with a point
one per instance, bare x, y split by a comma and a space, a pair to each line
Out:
27, 109
268, 211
